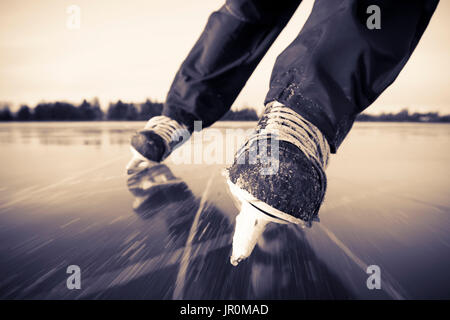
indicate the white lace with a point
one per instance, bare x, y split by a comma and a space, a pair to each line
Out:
287, 125
169, 130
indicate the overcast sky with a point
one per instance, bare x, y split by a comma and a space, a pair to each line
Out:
131, 49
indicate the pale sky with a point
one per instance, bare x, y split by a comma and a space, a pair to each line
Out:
131, 49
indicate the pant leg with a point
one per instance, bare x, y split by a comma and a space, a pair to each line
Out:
337, 67
233, 42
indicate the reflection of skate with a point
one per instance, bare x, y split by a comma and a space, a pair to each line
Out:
155, 183
291, 194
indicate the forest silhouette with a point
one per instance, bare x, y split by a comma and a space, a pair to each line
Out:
123, 111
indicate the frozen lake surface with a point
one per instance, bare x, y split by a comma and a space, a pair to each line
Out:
65, 200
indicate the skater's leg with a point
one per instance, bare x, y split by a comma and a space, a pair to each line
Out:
235, 39
332, 71
337, 66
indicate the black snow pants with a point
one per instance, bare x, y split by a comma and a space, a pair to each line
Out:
334, 69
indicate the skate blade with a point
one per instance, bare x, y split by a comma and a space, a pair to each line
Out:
251, 222
250, 225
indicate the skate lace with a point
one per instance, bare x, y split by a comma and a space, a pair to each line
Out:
169, 130
286, 125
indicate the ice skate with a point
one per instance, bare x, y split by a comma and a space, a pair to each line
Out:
160, 136
293, 192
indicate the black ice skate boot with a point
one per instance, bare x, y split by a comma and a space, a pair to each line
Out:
278, 176
160, 136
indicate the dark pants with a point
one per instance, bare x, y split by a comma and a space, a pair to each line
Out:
333, 70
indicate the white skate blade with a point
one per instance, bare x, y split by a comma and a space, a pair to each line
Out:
251, 222
250, 225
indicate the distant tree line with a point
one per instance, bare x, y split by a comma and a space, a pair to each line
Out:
91, 111
245, 114
404, 116
86, 111
54, 111
121, 111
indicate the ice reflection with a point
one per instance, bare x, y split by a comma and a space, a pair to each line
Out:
98, 134
68, 133
282, 266
68, 203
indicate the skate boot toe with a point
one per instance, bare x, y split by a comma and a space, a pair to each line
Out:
296, 188
149, 144
160, 136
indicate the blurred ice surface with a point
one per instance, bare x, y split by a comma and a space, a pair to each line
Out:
64, 200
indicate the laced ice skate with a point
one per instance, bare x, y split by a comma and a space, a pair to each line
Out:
285, 184
160, 136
